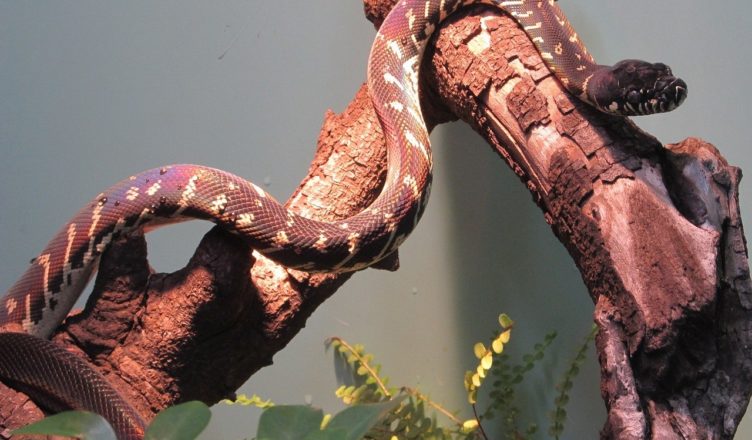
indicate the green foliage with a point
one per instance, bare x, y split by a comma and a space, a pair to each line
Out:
357, 420
254, 400
559, 414
506, 377
289, 422
474, 379
376, 411
302, 422
184, 421
179, 422
80, 424
409, 420
364, 383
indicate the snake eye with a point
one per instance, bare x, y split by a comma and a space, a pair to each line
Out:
663, 69
634, 97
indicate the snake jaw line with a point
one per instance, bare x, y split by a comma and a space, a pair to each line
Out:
634, 88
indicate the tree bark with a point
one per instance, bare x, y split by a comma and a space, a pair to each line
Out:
654, 230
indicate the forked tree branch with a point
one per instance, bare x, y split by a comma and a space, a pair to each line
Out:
655, 232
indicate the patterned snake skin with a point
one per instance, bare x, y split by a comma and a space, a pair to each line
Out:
44, 295
59, 380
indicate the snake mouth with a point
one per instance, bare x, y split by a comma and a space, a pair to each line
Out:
635, 88
667, 94
672, 95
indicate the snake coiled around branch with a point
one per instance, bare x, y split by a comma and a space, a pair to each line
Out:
40, 300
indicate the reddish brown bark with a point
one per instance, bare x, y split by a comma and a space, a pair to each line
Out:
655, 232
201, 332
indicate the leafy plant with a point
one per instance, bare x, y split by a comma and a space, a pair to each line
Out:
184, 421
254, 400
179, 422
80, 424
506, 377
302, 422
376, 411
559, 414
364, 384
474, 379
409, 419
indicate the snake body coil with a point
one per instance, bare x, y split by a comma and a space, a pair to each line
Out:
43, 296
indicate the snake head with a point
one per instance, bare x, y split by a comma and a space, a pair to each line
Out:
635, 87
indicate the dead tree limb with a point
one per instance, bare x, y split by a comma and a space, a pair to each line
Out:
655, 232
201, 332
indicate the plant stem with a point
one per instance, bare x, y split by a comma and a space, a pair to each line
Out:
363, 362
480, 425
431, 403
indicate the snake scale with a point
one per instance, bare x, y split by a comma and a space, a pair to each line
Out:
40, 300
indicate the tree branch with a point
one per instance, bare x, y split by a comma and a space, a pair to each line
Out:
654, 230
201, 332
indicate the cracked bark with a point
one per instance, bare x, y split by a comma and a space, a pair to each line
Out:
654, 230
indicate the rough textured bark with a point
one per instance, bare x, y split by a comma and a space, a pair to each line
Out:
655, 232
202, 331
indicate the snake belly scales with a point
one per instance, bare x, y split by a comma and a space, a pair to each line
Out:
40, 300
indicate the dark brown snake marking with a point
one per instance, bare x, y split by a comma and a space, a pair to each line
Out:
43, 296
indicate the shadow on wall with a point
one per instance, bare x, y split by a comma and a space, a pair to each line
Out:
506, 259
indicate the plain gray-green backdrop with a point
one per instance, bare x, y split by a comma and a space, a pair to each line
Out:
94, 91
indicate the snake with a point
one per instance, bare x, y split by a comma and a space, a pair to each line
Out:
41, 299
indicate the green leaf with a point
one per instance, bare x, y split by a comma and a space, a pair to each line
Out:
487, 361
505, 321
468, 380
497, 346
328, 434
244, 400
476, 380
480, 372
291, 422
357, 420
81, 424
479, 349
184, 421
505, 336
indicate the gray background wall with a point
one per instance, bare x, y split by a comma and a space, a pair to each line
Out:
91, 92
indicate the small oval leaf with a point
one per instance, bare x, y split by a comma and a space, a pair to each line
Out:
487, 361
505, 321
476, 380
472, 396
469, 426
481, 372
479, 349
505, 336
497, 346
